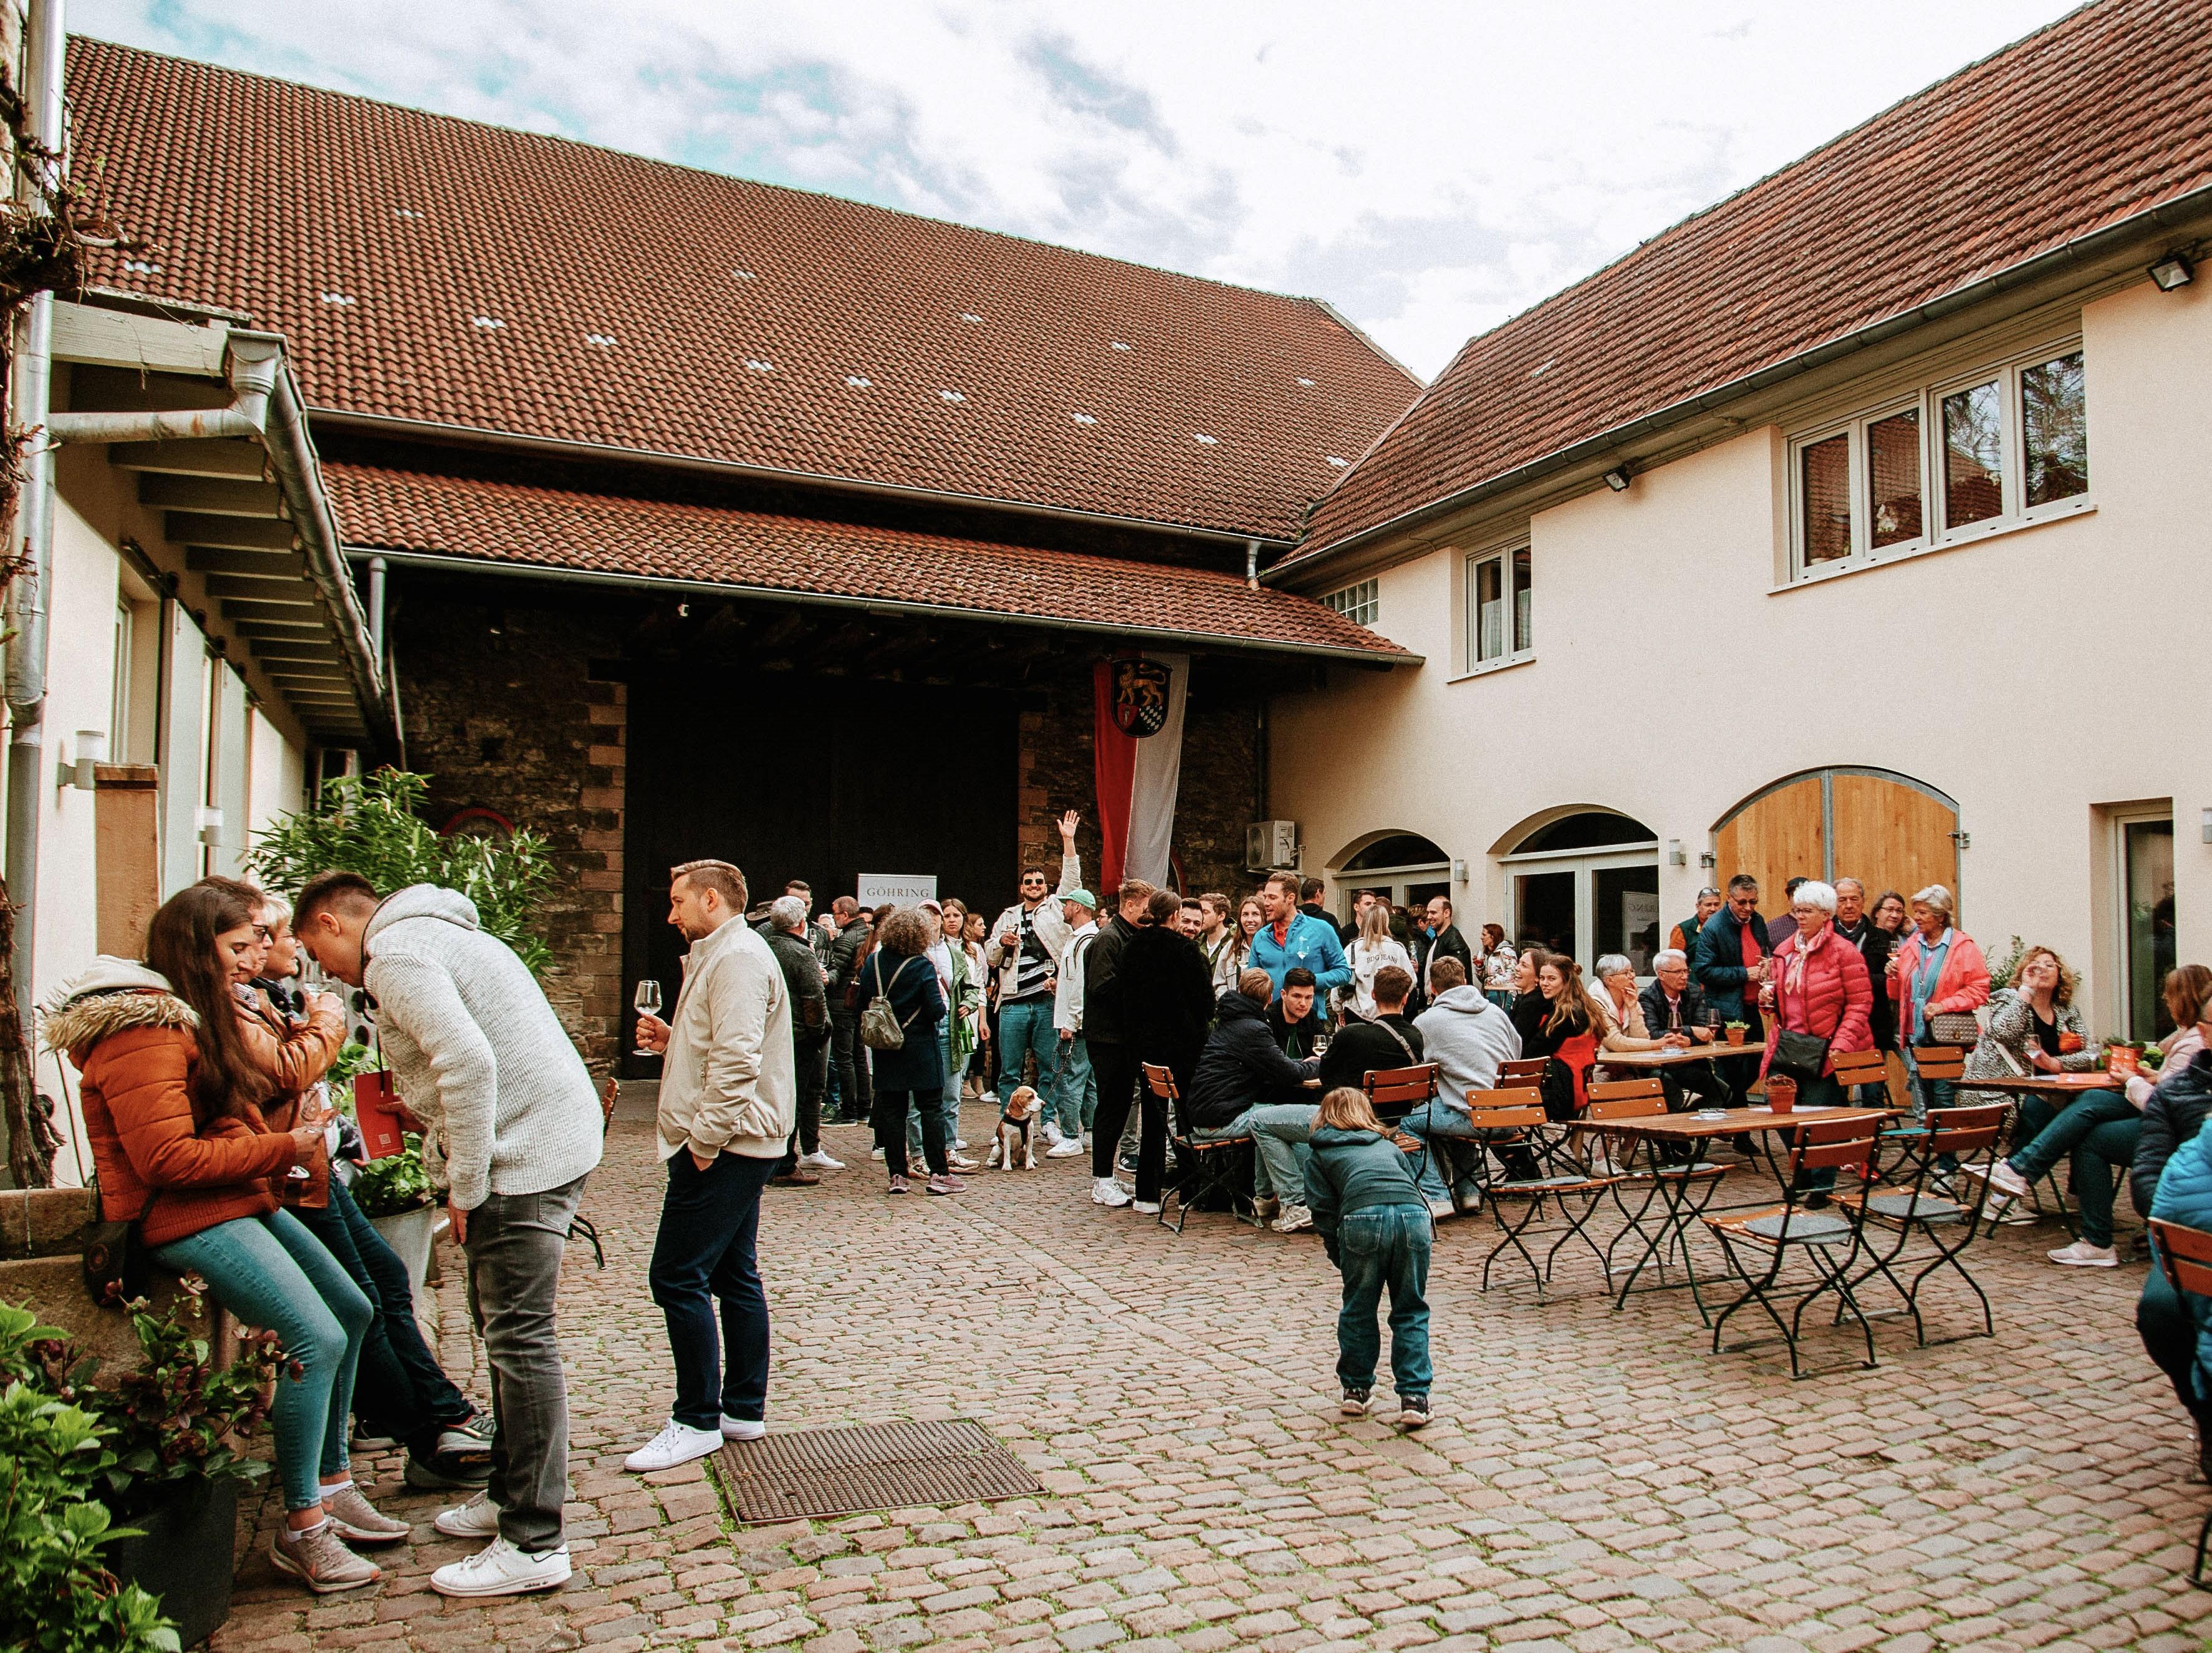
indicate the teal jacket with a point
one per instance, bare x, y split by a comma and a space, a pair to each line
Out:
1353, 1171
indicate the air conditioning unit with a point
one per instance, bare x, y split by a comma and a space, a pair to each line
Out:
1269, 845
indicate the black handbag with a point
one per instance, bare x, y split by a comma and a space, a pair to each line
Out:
1803, 1056
115, 1262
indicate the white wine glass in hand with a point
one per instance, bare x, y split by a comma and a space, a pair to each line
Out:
648, 1000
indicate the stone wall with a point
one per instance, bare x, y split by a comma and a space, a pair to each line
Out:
503, 714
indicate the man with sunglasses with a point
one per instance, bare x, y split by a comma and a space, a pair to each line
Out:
1025, 949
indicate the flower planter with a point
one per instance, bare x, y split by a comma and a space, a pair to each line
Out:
1735, 1033
410, 1233
185, 1556
1781, 1093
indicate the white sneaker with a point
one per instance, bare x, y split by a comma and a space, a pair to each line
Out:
1293, 1218
1146, 1207
678, 1442
821, 1160
960, 1162
477, 1518
742, 1428
500, 1569
875, 1153
2082, 1254
1051, 1132
1107, 1192
1067, 1148
959, 1142
2003, 1179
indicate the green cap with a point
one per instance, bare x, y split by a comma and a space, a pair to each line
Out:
1082, 898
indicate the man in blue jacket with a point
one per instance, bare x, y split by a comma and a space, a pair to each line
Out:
1290, 938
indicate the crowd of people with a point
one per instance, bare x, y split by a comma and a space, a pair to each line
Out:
1139, 1021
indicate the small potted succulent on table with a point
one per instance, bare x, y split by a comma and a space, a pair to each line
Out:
1736, 1030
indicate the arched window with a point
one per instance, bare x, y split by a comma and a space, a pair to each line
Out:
1403, 867
1585, 882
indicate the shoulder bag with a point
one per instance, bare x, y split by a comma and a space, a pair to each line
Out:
880, 1027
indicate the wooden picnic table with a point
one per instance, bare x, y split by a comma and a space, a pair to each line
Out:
1701, 1053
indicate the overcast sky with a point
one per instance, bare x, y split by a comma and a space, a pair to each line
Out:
1429, 170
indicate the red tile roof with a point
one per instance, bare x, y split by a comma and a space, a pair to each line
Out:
433, 269
2090, 121
404, 511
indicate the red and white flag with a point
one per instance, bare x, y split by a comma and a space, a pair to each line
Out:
1138, 758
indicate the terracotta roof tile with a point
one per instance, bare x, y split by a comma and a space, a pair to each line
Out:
2084, 124
440, 271
405, 511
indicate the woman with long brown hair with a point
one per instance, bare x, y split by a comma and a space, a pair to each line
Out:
1559, 1021
172, 1097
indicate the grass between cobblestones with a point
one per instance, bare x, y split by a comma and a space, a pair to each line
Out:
1593, 1480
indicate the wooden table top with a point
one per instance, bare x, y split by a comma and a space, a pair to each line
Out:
2046, 1084
1676, 1057
1725, 1121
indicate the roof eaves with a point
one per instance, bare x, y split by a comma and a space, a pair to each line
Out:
2096, 242
485, 436
1390, 655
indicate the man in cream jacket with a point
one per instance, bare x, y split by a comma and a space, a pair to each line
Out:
729, 1094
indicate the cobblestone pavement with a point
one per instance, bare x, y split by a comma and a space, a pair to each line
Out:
1593, 1479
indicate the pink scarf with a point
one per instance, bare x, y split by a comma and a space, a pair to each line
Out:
1794, 979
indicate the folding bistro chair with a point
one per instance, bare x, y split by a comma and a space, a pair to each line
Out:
1395, 1092
580, 1226
1857, 1068
1917, 1206
2186, 1255
1202, 1169
1526, 1075
1829, 1240
1684, 1188
1513, 1125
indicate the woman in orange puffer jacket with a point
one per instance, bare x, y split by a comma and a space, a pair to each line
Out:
172, 1099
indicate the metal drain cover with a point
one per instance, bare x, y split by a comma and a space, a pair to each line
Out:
839, 1472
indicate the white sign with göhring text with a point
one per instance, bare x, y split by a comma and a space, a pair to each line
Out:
899, 889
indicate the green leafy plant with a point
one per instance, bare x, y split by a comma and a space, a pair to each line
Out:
353, 1057
56, 1597
372, 824
398, 1182
2003, 968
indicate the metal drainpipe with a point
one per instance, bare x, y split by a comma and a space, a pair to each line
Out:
30, 395
376, 609
1252, 564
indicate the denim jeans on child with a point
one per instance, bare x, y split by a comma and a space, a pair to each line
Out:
269, 1272
1377, 1246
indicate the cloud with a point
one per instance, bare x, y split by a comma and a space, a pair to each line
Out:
1430, 169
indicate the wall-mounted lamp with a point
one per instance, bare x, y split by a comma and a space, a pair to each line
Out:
210, 822
91, 751
1706, 857
1617, 478
1459, 867
2172, 272
2207, 825
1674, 855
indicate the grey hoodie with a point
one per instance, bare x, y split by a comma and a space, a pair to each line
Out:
1468, 1038
479, 1054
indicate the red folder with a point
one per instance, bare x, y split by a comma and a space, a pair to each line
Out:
383, 1118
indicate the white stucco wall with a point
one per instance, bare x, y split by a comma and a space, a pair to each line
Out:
2034, 676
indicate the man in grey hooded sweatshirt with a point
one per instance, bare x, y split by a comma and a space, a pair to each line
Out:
1469, 1039
482, 1060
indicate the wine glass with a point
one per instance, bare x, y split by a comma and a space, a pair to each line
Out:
647, 999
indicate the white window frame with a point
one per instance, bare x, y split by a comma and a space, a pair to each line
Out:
1361, 603
2011, 473
1472, 607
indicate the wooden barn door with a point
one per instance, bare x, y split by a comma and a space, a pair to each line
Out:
1887, 832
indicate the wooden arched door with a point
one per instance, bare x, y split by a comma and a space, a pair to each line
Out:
1887, 830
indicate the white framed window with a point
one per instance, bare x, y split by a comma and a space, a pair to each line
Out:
1361, 604
2002, 446
1498, 608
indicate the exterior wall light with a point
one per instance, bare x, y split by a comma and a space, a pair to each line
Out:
1617, 478
2172, 271
91, 753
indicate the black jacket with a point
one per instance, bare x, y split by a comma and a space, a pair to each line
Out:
1875, 944
1314, 909
1365, 1048
1656, 1017
1241, 1067
1447, 943
2173, 1115
802, 976
844, 951
1166, 993
919, 1003
1306, 1029
1105, 1020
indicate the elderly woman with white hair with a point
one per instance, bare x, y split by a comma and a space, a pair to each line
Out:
1818, 986
1937, 970
1616, 998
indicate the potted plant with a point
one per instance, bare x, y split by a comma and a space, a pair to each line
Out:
176, 1425
394, 1193
1736, 1030
1781, 1092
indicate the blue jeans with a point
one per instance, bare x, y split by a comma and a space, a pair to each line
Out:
948, 1107
1075, 1096
402, 1389
1279, 1134
269, 1272
1379, 1246
2098, 1131
1025, 1026
1443, 1125
709, 1222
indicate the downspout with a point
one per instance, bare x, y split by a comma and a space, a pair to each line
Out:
30, 398
251, 364
1252, 565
